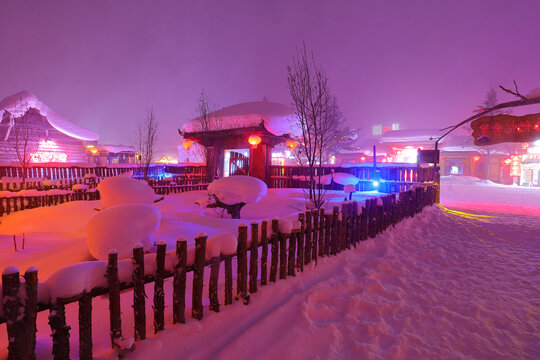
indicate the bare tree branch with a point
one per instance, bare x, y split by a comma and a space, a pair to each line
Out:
147, 137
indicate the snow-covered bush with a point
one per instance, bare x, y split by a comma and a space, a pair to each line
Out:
233, 192
345, 179
120, 190
120, 227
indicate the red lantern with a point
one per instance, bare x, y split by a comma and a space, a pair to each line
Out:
291, 144
476, 158
254, 140
187, 144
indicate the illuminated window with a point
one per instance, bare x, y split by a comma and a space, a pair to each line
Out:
376, 130
395, 126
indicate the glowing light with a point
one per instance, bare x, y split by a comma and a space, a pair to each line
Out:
507, 161
362, 158
332, 159
48, 151
375, 183
291, 144
476, 158
254, 140
187, 144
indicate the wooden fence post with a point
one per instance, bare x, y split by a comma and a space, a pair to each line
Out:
254, 255
228, 279
198, 276
321, 232
274, 253
315, 237
139, 295
292, 255
309, 235
283, 255
17, 338
335, 232
60, 331
300, 243
264, 254
114, 297
327, 234
179, 282
242, 267
213, 285
159, 293
85, 326
31, 287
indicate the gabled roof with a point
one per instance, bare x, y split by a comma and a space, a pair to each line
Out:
19, 103
275, 117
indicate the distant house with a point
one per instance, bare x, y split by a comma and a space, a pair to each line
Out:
58, 140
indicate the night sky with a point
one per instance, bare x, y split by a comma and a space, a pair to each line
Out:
101, 64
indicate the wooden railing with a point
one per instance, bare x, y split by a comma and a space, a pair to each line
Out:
319, 235
390, 178
64, 172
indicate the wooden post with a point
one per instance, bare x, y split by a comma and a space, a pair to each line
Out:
264, 254
179, 282
344, 239
31, 287
292, 255
309, 234
114, 297
60, 331
321, 232
283, 255
17, 338
315, 235
300, 243
198, 276
254, 256
228, 279
242, 268
213, 286
85, 326
327, 234
336, 233
159, 293
274, 253
139, 295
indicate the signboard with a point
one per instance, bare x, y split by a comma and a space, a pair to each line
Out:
428, 156
496, 129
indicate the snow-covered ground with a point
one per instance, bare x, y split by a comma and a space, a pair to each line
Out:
446, 284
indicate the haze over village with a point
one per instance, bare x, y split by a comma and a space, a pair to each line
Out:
262, 180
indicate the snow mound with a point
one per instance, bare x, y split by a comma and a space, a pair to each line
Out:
237, 189
120, 228
120, 190
349, 188
345, 179
74, 279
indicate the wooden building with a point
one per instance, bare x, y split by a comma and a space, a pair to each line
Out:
239, 139
50, 138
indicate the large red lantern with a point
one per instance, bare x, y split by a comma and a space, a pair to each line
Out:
291, 144
254, 140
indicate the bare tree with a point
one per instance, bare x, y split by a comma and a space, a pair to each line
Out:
208, 119
318, 119
147, 137
26, 139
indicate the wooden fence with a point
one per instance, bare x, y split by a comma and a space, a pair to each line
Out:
282, 255
62, 172
394, 178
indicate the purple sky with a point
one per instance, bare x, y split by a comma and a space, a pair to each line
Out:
101, 64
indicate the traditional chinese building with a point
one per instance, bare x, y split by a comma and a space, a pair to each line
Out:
239, 139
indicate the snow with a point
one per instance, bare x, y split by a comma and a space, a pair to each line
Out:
345, 179
76, 278
119, 190
237, 189
534, 93
456, 281
276, 118
10, 270
121, 227
80, 187
410, 136
18, 103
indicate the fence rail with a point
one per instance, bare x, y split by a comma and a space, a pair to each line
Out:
393, 178
282, 255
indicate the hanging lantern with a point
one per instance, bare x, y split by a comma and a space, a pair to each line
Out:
254, 140
187, 144
291, 144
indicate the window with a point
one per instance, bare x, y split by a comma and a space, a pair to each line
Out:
454, 167
376, 130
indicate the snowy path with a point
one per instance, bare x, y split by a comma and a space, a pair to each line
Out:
441, 286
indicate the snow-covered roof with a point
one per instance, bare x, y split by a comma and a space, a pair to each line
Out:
416, 135
117, 148
276, 117
19, 103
